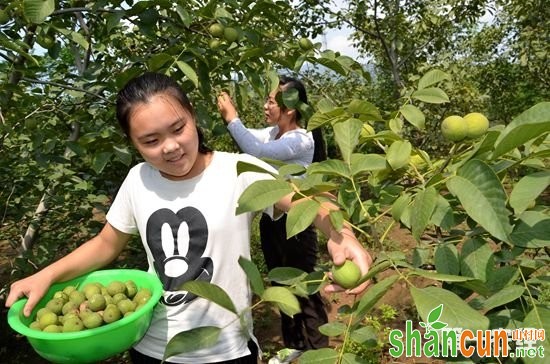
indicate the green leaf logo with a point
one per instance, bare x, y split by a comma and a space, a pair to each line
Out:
433, 322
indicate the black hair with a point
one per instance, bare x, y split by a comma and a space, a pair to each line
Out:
319, 152
141, 89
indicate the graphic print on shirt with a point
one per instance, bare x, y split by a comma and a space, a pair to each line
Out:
177, 242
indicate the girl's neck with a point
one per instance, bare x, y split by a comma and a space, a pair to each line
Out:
286, 126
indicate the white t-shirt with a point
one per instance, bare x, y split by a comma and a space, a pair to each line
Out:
190, 232
293, 147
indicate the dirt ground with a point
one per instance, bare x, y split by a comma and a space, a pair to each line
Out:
15, 349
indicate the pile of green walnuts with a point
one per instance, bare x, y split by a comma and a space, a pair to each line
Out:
73, 309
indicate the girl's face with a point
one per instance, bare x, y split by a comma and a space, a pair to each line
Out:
165, 135
272, 110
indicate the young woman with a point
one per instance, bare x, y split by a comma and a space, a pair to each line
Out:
181, 201
286, 140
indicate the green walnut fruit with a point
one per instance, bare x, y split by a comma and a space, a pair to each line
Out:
142, 296
477, 125
214, 44
346, 275
92, 320
230, 34
55, 305
52, 328
90, 289
73, 324
126, 305
97, 302
131, 288
49, 318
305, 44
77, 297
216, 30
454, 128
111, 314
115, 287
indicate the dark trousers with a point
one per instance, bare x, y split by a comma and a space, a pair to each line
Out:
252, 358
301, 331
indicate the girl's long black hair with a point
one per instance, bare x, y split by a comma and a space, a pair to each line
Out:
320, 150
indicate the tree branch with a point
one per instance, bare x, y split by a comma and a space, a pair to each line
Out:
67, 87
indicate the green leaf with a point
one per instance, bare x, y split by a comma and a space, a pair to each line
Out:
530, 124
283, 298
330, 167
440, 276
414, 116
479, 190
398, 154
400, 205
184, 15
372, 296
251, 167
262, 194
300, 216
446, 259
423, 206
286, 275
336, 219
123, 154
363, 110
366, 336
502, 277
538, 318
189, 72
320, 356
506, 295
191, 340
532, 230
346, 134
253, 274
332, 329
431, 95
158, 60
456, 313
367, 162
211, 292
528, 189
432, 77
38, 10
443, 214
100, 160
476, 259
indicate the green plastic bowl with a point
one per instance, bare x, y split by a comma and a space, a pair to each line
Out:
90, 345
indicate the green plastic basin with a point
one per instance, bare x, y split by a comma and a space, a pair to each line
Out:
90, 345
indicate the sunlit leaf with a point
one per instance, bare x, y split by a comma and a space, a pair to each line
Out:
528, 125
483, 197
192, 340
431, 95
283, 298
455, 312
414, 116
300, 216
38, 10
476, 259
253, 274
211, 292
532, 230
398, 154
423, 205
432, 77
528, 189
262, 194
346, 134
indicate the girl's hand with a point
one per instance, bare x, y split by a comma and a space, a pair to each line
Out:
33, 287
226, 107
349, 248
